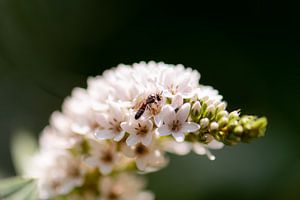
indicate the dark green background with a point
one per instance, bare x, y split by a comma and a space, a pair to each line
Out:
248, 50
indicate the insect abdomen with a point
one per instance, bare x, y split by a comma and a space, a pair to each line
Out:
139, 113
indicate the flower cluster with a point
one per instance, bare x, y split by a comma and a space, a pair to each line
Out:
125, 121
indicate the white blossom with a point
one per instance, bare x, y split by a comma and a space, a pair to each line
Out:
175, 122
102, 155
147, 158
110, 123
179, 81
140, 130
125, 186
58, 172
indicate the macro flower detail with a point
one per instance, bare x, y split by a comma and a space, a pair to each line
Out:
125, 186
139, 130
175, 123
111, 124
147, 157
124, 122
102, 155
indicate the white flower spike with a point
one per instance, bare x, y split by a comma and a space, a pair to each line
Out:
130, 116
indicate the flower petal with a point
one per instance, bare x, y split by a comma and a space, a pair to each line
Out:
127, 151
127, 127
116, 112
199, 149
188, 127
183, 112
92, 161
163, 130
168, 94
158, 120
149, 124
179, 136
119, 136
141, 163
177, 101
104, 134
168, 114
214, 144
147, 139
210, 155
172, 146
105, 169
80, 128
132, 140
102, 120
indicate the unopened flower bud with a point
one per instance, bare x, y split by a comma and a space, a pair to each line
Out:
210, 102
223, 121
196, 108
233, 123
238, 130
205, 98
210, 108
221, 114
214, 126
221, 106
206, 138
234, 115
204, 122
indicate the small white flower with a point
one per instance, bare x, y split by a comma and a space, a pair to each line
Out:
124, 186
175, 122
57, 172
140, 130
177, 101
179, 81
110, 124
52, 139
102, 155
78, 109
147, 158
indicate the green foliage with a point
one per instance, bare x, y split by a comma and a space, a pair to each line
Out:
23, 146
18, 188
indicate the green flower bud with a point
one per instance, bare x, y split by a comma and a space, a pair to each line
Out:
221, 114
238, 130
223, 121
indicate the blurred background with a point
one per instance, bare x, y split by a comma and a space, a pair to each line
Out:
248, 50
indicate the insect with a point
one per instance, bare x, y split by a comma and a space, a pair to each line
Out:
151, 103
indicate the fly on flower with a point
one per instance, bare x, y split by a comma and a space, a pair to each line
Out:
152, 103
